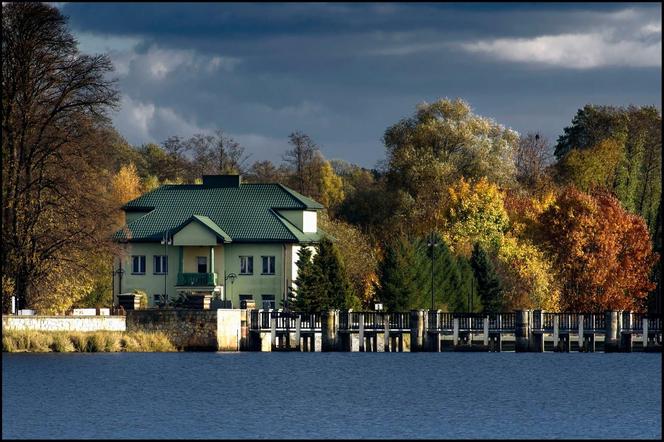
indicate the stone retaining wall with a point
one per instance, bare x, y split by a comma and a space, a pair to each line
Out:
64, 323
217, 330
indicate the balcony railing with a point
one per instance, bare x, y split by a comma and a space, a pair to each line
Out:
197, 279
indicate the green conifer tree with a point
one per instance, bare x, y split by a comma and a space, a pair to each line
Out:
398, 288
488, 283
301, 298
332, 289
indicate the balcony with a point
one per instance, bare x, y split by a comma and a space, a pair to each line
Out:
197, 279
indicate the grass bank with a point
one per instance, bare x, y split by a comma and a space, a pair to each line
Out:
15, 341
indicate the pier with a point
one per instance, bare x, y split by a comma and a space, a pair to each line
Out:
436, 331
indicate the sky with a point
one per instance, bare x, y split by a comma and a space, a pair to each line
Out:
343, 73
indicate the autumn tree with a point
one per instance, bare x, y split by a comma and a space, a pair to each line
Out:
603, 254
55, 100
442, 142
634, 170
358, 254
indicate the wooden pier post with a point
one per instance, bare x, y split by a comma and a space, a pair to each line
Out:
537, 337
645, 333
361, 337
273, 331
591, 337
416, 330
581, 337
455, 332
386, 333
611, 343
486, 331
556, 333
522, 331
298, 328
626, 332
329, 329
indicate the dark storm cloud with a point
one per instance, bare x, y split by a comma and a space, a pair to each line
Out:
344, 72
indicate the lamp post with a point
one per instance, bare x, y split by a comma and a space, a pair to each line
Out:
232, 277
119, 271
164, 264
431, 243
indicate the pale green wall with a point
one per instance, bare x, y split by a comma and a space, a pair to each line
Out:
227, 260
148, 282
255, 284
194, 234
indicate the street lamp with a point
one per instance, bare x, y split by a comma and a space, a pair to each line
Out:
232, 277
119, 271
431, 243
164, 263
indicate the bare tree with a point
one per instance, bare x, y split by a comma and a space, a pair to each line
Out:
216, 154
301, 158
533, 155
54, 101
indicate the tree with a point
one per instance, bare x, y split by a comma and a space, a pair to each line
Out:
531, 159
475, 213
488, 284
302, 159
398, 286
358, 254
595, 167
636, 178
331, 287
54, 105
265, 172
126, 184
602, 253
302, 297
216, 154
330, 187
441, 143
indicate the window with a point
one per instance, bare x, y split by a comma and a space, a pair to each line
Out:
202, 264
160, 264
138, 264
268, 302
246, 265
268, 265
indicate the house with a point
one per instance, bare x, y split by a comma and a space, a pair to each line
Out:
234, 240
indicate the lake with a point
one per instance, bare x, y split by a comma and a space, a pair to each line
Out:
332, 395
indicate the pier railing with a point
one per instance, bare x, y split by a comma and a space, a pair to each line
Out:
438, 321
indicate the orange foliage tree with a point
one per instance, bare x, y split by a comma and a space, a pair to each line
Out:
602, 253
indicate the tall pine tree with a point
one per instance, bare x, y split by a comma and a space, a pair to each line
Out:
398, 287
488, 284
302, 296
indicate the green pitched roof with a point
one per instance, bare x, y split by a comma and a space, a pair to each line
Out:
242, 214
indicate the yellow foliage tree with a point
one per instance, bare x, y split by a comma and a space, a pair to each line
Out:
126, 184
331, 186
476, 213
527, 275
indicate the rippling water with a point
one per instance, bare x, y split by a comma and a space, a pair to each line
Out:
331, 395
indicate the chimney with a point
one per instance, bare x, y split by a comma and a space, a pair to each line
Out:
222, 181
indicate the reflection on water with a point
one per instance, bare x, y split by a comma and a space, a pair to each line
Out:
331, 395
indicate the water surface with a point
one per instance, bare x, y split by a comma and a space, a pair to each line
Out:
331, 395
